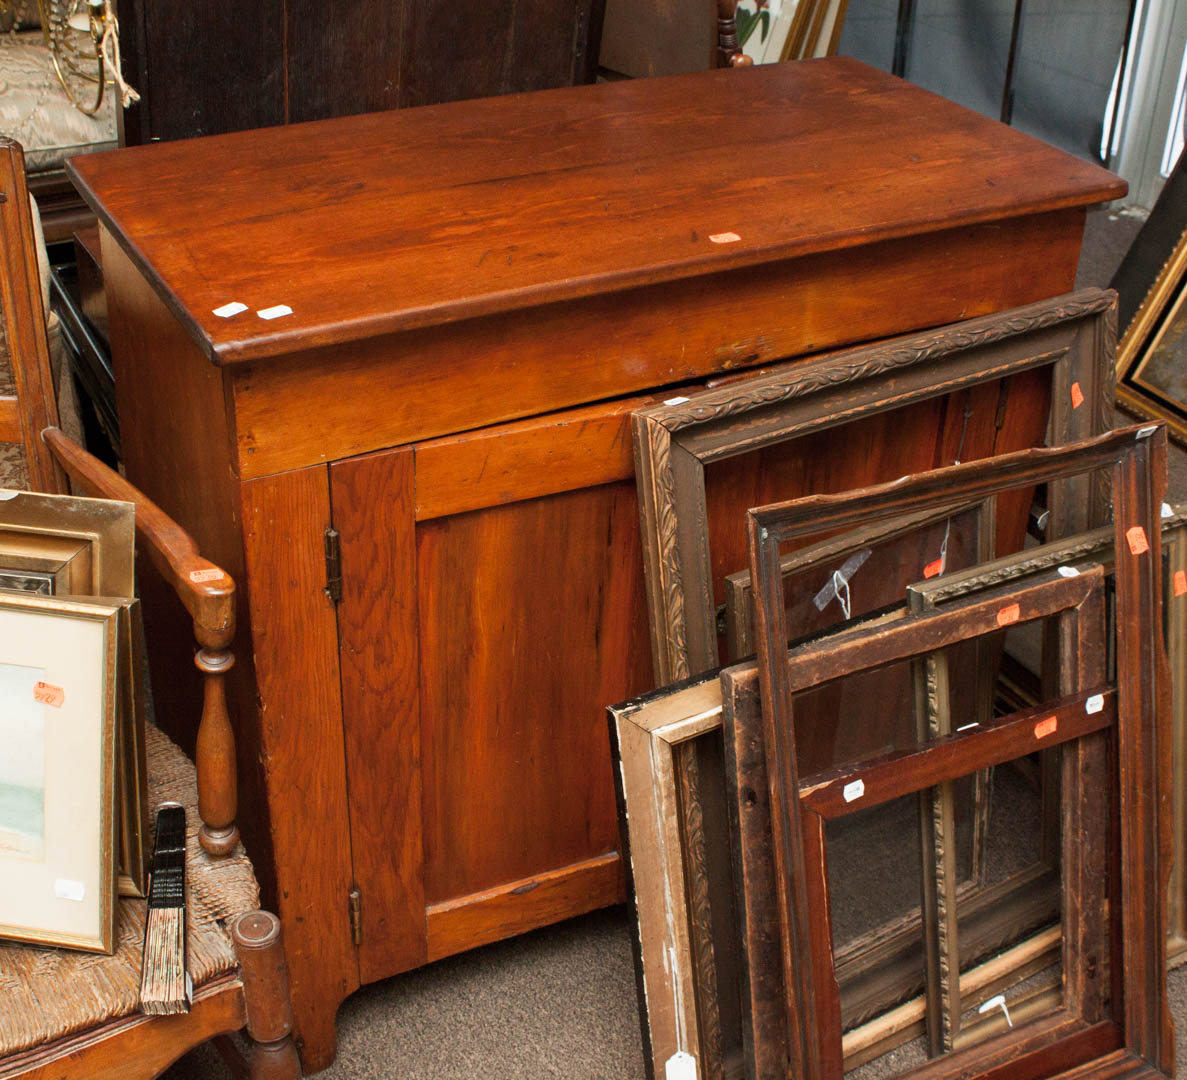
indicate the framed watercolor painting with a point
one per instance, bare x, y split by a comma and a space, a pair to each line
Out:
58, 699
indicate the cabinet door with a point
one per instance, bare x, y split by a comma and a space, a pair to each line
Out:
492, 606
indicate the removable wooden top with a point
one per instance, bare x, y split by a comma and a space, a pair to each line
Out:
371, 224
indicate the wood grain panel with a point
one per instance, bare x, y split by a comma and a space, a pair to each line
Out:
345, 60
176, 449
524, 905
295, 638
433, 382
541, 456
531, 619
372, 499
879, 448
241, 40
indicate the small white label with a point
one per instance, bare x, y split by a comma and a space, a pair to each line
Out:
1167, 511
855, 789
227, 310
1094, 704
274, 312
1068, 571
998, 1002
8, 493
65, 889
1146, 432
850, 567
680, 1066
676, 401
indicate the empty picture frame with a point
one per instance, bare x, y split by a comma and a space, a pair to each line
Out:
1097, 546
1073, 337
58, 694
934, 763
1136, 459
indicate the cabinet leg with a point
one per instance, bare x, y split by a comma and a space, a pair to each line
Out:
262, 966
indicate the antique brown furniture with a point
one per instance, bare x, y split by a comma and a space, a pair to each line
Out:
70, 1013
423, 474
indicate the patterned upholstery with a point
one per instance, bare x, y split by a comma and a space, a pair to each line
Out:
35, 110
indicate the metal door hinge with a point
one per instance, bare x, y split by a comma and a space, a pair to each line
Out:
333, 566
356, 916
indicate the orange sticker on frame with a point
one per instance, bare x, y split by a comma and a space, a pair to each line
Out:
48, 694
1180, 585
199, 576
1136, 539
1077, 395
1011, 613
933, 569
724, 238
1046, 727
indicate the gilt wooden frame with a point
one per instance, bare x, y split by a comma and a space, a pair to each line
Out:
1073, 335
1142, 1034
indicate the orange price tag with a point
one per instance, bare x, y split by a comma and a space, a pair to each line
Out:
1011, 613
1180, 585
1046, 727
1136, 538
1077, 395
724, 238
932, 569
198, 576
49, 695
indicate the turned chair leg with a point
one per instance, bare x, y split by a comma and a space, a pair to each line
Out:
215, 757
262, 966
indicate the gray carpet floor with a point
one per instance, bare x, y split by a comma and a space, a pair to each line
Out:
560, 1002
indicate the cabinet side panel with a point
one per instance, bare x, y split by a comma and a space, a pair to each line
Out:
372, 499
532, 618
178, 449
295, 641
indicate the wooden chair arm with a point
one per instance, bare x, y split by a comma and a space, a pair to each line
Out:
208, 594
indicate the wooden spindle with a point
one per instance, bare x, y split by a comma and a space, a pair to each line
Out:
214, 755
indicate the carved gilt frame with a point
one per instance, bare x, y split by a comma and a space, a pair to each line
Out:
1074, 336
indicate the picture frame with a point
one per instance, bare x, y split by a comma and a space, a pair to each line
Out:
1071, 338
675, 819
58, 825
108, 526
1153, 313
1097, 546
61, 545
1136, 459
925, 770
46, 565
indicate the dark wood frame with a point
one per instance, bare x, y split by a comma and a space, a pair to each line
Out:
1144, 1036
1098, 547
1073, 335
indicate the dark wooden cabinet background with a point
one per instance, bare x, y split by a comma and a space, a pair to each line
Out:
220, 66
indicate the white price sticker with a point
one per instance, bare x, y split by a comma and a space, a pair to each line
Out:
855, 789
1094, 704
65, 889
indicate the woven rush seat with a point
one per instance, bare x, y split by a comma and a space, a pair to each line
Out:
47, 994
